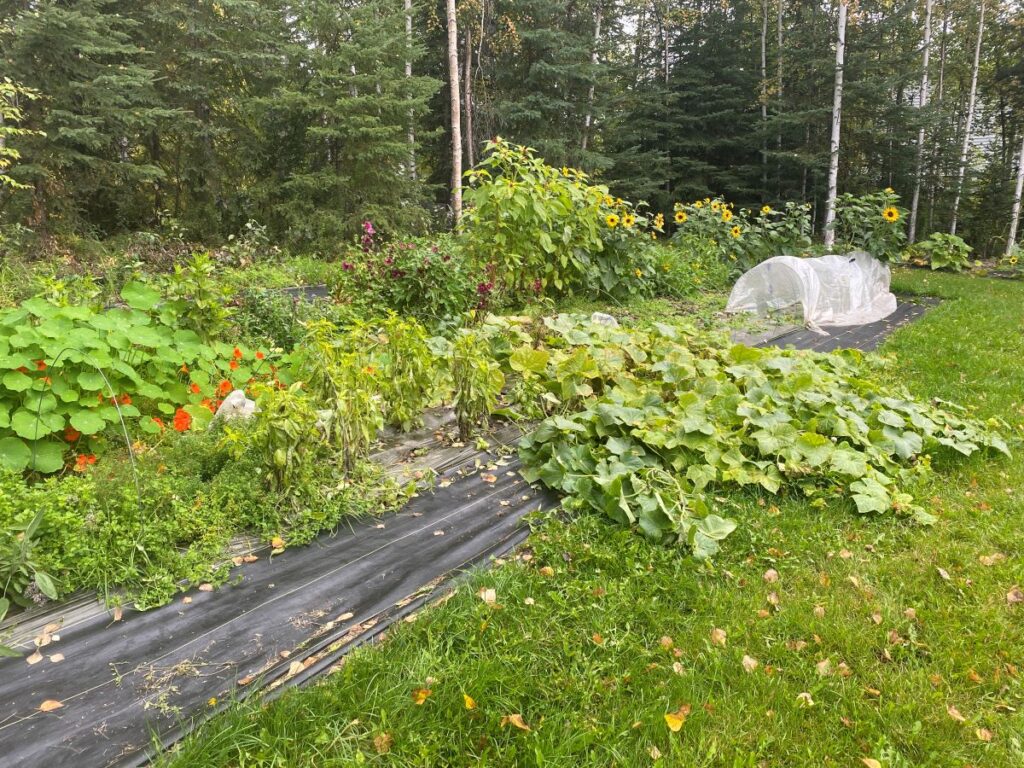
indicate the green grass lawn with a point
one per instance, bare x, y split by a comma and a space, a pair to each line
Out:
817, 638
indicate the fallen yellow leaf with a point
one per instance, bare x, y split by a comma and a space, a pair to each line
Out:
420, 695
277, 542
718, 636
468, 701
750, 663
983, 734
870, 762
675, 720
954, 713
49, 705
516, 720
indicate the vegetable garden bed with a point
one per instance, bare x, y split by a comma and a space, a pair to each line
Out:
283, 619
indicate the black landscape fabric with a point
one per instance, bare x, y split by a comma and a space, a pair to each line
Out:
155, 672
866, 338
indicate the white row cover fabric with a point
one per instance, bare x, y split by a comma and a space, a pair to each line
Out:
851, 289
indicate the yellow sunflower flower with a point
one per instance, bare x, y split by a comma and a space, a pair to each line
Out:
698, 204
611, 220
890, 214
681, 217
715, 205
659, 220
628, 220
726, 215
707, 199
1013, 260
890, 191
638, 273
766, 209
608, 200
736, 231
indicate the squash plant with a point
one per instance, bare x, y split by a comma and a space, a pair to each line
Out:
67, 373
664, 422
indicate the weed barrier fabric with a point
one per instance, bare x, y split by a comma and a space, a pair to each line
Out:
283, 619
866, 338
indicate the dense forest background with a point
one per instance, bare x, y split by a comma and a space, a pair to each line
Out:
310, 116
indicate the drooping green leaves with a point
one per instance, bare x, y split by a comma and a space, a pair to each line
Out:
656, 438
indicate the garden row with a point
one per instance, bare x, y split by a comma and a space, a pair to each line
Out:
117, 474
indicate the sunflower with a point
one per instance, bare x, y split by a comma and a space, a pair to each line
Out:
726, 215
638, 273
698, 204
890, 191
659, 220
608, 200
736, 231
766, 209
715, 205
1013, 261
628, 220
611, 220
681, 217
890, 214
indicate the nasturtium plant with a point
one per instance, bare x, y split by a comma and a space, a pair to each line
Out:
70, 373
658, 421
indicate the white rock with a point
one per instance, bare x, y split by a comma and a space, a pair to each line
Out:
235, 406
603, 319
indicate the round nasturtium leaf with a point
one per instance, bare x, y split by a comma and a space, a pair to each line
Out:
16, 381
140, 296
88, 422
14, 454
91, 381
48, 456
33, 426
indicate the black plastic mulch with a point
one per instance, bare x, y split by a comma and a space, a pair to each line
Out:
283, 620
866, 338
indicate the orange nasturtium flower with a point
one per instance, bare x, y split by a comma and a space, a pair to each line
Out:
224, 388
237, 354
182, 420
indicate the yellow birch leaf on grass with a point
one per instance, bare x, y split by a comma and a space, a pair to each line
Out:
420, 695
675, 720
516, 720
469, 701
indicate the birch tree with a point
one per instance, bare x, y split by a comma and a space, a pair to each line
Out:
1015, 214
837, 109
408, 76
968, 122
456, 116
922, 102
593, 69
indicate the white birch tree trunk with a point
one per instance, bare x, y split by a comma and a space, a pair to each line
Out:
837, 110
408, 75
456, 116
968, 123
468, 96
922, 102
593, 66
764, 94
1019, 190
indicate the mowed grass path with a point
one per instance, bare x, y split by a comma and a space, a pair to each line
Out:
839, 638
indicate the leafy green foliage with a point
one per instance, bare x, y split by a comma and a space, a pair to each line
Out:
741, 237
941, 251
534, 229
677, 420
68, 373
430, 280
871, 222
476, 377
